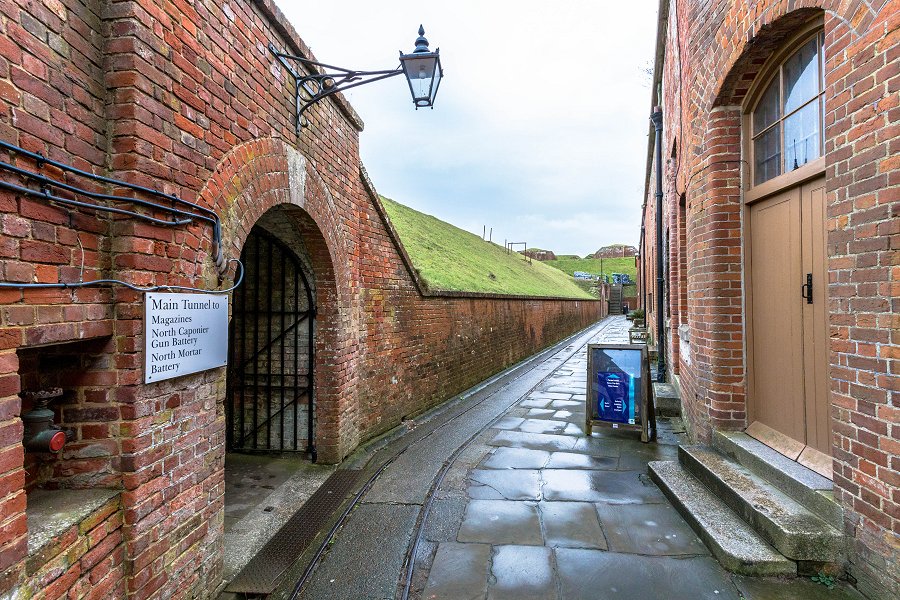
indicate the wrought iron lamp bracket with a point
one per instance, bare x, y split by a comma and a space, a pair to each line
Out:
322, 81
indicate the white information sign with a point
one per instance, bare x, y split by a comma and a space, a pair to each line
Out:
184, 333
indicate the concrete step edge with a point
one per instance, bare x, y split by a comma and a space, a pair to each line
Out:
666, 400
800, 483
786, 524
731, 541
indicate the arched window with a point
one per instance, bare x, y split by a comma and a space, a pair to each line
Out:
787, 122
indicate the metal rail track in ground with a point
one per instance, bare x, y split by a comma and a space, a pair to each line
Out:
426, 508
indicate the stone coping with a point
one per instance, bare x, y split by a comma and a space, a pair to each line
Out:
52, 513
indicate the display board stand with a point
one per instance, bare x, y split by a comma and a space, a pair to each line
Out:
618, 389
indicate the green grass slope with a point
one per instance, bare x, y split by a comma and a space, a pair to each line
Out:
450, 259
569, 264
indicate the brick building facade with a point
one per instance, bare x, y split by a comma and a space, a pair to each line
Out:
185, 98
717, 65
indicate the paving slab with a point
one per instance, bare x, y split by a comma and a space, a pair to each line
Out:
566, 403
508, 423
565, 389
535, 402
540, 413
459, 572
574, 430
549, 395
600, 486
598, 446
516, 458
635, 458
511, 484
542, 426
571, 525
654, 529
573, 460
501, 522
522, 573
534, 441
588, 574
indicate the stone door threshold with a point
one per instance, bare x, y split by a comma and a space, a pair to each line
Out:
809, 457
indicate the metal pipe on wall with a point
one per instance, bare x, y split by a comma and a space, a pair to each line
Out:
643, 256
657, 119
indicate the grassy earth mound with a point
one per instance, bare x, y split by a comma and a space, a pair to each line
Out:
448, 258
570, 264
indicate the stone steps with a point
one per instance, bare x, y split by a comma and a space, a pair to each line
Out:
666, 400
779, 519
803, 485
615, 299
759, 512
732, 541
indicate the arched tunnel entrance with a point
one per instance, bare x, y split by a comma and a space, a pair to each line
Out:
271, 406
270, 403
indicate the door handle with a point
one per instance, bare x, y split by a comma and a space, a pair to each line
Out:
806, 289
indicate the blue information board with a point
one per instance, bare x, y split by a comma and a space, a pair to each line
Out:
618, 381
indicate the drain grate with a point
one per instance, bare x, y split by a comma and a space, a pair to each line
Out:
262, 573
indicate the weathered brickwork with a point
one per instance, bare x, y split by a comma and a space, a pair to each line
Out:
87, 560
708, 59
185, 98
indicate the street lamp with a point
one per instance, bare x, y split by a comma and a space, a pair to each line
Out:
421, 67
423, 71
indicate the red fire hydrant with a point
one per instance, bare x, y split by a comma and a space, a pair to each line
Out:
41, 435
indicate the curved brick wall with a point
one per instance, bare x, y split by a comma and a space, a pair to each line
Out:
712, 52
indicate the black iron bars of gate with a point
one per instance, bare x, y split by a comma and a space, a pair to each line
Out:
255, 301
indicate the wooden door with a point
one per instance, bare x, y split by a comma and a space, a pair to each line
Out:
788, 335
776, 317
815, 319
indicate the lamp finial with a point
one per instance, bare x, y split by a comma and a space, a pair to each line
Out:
421, 42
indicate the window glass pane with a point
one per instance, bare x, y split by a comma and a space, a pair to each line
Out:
766, 156
801, 137
801, 76
766, 111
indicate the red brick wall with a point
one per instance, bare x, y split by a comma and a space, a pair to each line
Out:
84, 561
184, 97
713, 50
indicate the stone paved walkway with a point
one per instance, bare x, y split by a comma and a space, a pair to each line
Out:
534, 509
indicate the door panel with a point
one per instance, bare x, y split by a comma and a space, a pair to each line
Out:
815, 319
776, 318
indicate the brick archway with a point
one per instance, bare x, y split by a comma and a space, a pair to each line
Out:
265, 176
714, 187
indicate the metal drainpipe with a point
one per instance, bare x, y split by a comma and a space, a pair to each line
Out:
657, 119
643, 273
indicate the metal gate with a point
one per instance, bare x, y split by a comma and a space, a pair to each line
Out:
270, 405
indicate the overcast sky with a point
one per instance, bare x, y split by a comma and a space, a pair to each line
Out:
539, 129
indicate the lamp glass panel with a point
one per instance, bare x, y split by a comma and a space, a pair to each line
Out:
420, 72
437, 81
